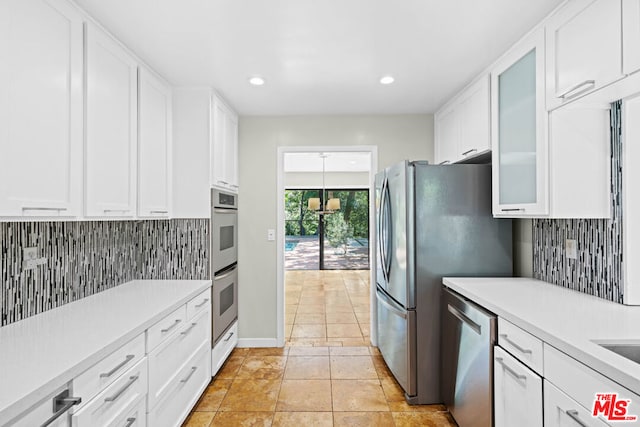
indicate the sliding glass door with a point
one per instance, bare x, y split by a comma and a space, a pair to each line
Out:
332, 241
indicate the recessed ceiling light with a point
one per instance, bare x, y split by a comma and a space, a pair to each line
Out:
256, 81
387, 80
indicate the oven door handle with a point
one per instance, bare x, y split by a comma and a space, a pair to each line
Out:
227, 274
226, 211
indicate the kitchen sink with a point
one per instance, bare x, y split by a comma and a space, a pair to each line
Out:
630, 351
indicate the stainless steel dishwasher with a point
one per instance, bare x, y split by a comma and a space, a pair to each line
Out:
468, 337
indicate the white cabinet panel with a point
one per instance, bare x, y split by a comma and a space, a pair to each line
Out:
43, 411
111, 134
562, 411
519, 131
630, 36
154, 146
41, 108
523, 345
584, 49
475, 123
517, 393
224, 145
447, 131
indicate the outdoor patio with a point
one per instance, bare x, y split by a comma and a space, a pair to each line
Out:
301, 253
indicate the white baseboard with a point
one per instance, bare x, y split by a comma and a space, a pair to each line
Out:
257, 342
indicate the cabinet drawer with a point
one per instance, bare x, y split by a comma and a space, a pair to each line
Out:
172, 354
116, 400
223, 349
560, 410
183, 391
134, 416
199, 304
517, 392
582, 383
103, 373
40, 413
524, 346
163, 329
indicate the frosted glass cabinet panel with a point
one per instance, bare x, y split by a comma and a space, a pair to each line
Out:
519, 131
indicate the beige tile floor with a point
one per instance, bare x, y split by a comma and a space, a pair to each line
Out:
327, 375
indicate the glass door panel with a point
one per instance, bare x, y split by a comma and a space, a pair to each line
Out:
346, 232
302, 231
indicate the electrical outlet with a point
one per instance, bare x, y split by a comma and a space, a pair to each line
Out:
30, 259
271, 234
571, 249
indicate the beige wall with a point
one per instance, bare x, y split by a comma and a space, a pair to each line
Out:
397, 137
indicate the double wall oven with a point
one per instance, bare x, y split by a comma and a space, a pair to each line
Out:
224, 262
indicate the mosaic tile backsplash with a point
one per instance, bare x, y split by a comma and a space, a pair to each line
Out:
84, 258
598, 269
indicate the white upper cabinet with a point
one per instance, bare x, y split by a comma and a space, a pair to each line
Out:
519, 131
224, 145
475, 119
41, 109
584, 49
447, 132
630, 36
462, 126
154, 146
111, 127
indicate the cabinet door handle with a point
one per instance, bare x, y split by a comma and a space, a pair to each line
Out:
446, 162
43, 208
223, 182
118, 366
122, 390
61, 404
130, 422
578, 89
511, 371
188, 377
186, 331
469, 151
229, 337
171, 327
204, 301
512, 210
515, 345
158, 212
573, 414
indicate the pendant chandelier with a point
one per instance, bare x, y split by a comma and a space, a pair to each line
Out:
332, 205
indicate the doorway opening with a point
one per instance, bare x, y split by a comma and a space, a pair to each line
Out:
324, 256
331, 241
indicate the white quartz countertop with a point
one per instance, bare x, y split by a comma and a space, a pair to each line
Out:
43, 352
568, 320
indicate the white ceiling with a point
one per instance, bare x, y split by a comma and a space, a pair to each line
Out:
321, 57
334, 162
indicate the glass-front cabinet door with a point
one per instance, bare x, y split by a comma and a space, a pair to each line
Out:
519, 135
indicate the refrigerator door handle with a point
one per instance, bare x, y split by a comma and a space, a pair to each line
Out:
389, 305
388, 230
382, 231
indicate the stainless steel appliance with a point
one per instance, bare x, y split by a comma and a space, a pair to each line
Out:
468, 337
224, 262
432, 221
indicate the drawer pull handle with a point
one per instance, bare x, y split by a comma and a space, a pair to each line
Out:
206, 300
515, 345
61, 404
171, 327
573, 414
186, 331
130, 422
229, 337
511, 371
574, 91
193, 370
513, 210
122, 390
158, 212
446, 162
469, 151
120, 365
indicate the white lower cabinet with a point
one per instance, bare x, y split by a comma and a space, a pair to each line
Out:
114, 402
562, 411
183, 390
43, 411
517, 392
223, 348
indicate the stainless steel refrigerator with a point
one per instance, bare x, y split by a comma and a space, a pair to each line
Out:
432, 221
